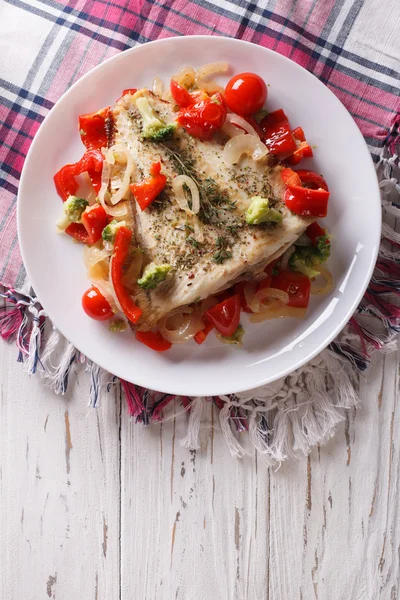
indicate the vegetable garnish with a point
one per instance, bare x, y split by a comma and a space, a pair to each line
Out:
95, 305
153, 340
203, 118
277, 133
92, 128
307, 193
91, 162
296, 285
245, 94
147, 191
82, 222
121, 250
201, 335
181, 95
225, 316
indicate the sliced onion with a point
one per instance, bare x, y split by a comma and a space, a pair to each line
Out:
244, 144
124, 189
326, 285
285, 257
185, 77
275, 297
117, 211
180, 325
180, 197
236, 124
202, 74
158, 86
284, 311
106, 289
303, 240
85, 188
250, 290
132, 273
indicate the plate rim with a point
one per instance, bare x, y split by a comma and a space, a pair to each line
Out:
225, 389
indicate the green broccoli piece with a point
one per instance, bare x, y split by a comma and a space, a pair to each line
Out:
306, 259
117, 325
153, 128
110, 231
73, 210
153, 275
324, 247
235, 339
260, 212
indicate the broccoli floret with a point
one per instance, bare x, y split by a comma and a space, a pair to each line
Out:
73, 210
324, 247
260, 212
153, 128
117, 325
307, 259
110, 231
235, 338
153, 275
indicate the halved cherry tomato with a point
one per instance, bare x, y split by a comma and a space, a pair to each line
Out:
290, 177
311, 180
225, 316
277, 134
315, 231
121, 249
246, 94
147, 190
204, 117
94, 219
95, 305
92, 128
201, 335
64, 179
299, 134
295, 284
305, 202
180, 94
154, 340
303, 151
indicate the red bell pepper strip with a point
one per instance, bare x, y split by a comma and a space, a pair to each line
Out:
305, 202
92, 128
299, 134
201, 335
147, 190
290, 177
296, 285
311, 180
225, 316
180, 94
127, 91
94, 219
203, 118
303, 151
121, 249
64, 179
277, 135
315, 231
154, 340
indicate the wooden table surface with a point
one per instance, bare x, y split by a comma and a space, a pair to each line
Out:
95, 507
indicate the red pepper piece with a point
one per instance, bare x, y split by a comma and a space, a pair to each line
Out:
127, 91
203, 118
201, 335
94, 219
225, 316
180, 95
154, 340
77, 231
305, 202
277, 134
277, 116
303, 151
315, 231
64, 179
147, 190
121, 250
92, 128
311, 180
299, 134
290, 177
297, 285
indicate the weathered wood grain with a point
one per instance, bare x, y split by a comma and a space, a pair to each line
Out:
93, 506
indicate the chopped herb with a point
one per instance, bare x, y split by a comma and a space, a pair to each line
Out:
222, 253
193, 242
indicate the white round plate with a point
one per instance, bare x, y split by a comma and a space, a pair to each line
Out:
271, 349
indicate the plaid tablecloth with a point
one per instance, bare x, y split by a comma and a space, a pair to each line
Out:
352, 46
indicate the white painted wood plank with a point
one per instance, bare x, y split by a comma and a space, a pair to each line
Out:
60, 490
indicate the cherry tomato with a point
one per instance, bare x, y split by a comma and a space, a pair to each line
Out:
225, 316
154, 340
95, 305
245, 94
298, 287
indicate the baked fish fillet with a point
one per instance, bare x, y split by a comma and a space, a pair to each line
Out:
216, 248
